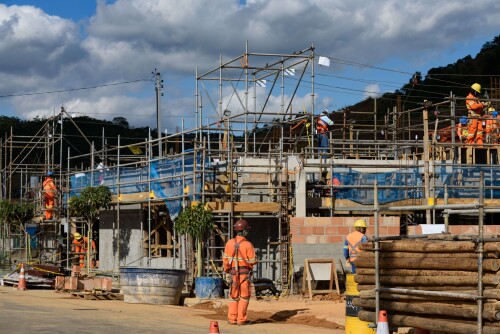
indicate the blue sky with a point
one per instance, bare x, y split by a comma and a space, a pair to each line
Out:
71, 9
96, 57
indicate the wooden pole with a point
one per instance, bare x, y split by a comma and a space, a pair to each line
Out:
428, 280
417, 272
492, 255
430, 263
433, 324
418, 246
429, 308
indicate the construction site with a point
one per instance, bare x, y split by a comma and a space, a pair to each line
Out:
431, 201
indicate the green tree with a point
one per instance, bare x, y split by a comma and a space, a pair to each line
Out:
16, 213
89, 203
195, 221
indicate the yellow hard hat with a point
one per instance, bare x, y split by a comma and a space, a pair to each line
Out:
77, 236
360, 223
491, 109
476, 87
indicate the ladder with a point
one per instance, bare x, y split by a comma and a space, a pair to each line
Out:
215, 245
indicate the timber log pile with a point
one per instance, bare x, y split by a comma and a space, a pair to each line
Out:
431, 265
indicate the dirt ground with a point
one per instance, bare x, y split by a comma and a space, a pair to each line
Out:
325, 311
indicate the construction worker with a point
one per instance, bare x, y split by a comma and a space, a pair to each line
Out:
462, 129
80, 245
475, 109
238, 261
49, 195
495, 129
352, 241
491, 126
335, 183
322, 123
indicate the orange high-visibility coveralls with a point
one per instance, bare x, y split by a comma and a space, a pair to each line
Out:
488, 130
335, 182
80, 246
495, 129
239, 259
475, 129
491, 130
462, 132
49, 194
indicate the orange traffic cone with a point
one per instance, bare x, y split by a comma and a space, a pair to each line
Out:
21, 285
382, 325
214, 327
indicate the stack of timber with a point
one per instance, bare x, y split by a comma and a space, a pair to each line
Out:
435, 266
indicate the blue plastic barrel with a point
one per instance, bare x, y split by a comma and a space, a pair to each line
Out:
209, 287
152, 285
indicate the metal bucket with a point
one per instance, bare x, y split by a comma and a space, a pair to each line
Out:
151, 285
352, 323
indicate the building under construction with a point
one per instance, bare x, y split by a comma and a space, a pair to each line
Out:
245, 157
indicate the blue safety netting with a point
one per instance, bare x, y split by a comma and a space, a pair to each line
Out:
166, 178
407, 183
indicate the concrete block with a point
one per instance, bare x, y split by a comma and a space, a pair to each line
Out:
323, 239
318, 230
297, 221
298, 239
72, 283
106, 284
306, 231
331, 230
311, 239
59, 282
76, 271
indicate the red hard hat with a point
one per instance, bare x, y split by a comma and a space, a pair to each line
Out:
241, 225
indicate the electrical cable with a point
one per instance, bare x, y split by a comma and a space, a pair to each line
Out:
75, 89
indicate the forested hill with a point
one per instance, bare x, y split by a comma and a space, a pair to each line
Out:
93, 129
440, 81
435, 86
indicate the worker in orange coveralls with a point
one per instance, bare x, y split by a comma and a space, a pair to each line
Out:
239, 260
491, 126
49, 195
80, 245
475, 109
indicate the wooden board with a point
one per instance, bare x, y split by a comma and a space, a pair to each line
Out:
97, 295
220, 207
317, 270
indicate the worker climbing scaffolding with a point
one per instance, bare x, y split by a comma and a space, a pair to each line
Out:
49, 195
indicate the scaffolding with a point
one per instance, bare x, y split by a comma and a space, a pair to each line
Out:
251, 155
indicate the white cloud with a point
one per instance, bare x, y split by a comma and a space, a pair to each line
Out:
372, 90
127, 39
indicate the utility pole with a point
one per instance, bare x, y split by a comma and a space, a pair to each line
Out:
427, 192
159, 94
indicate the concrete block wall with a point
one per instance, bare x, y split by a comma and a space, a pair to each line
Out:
323, 237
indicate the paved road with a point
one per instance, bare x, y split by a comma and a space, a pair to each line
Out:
45, 311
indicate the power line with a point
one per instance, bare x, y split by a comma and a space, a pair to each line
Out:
75, 89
